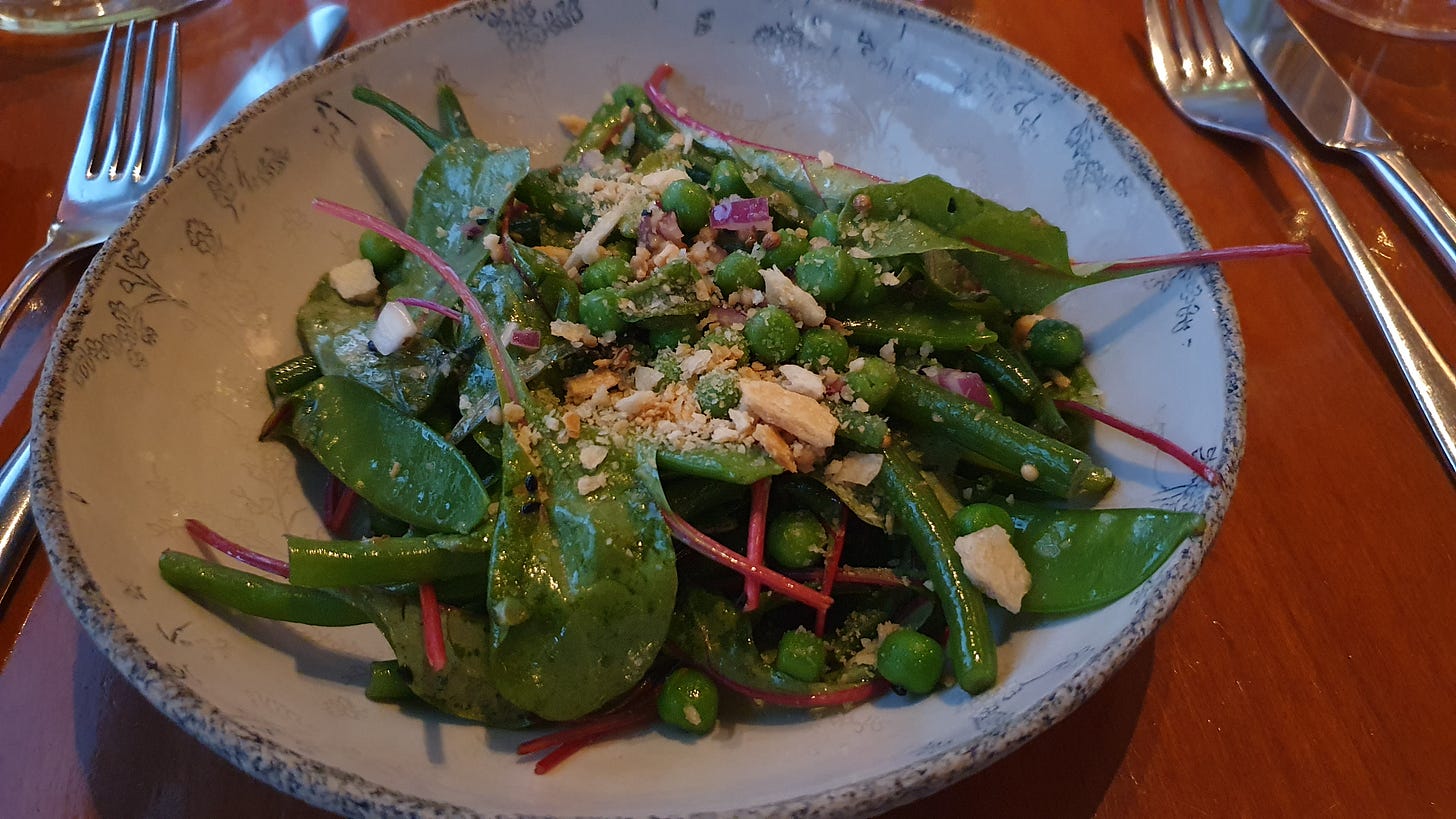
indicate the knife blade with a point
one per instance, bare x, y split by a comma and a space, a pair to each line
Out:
298, 48
1333, 114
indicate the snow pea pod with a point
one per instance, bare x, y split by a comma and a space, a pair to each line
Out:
945, 330
452, 117
432, 138
1043, 461
916, 508
557, 294
385, 561
1082, 559
398, 464
254, 595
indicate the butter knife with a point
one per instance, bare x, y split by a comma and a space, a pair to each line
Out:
1334, 115
299, 47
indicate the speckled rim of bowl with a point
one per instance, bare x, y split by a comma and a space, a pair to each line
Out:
343, 792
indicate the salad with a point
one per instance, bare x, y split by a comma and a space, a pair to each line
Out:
686, 417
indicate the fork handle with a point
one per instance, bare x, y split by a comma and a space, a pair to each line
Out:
1432, 216
60, 243
1429, 376
17, 526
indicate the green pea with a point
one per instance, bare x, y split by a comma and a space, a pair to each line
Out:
796, 539
868, 290
911, 661
978, 516
772, 335
785, 254
825, 226
739, 271
821, 348
384, 254
690, 202
802, 656
689, 700
1055, 343
600, 313
605, 272
723, 337
827, 273
717, 392
668, 364
727, 179
873, 382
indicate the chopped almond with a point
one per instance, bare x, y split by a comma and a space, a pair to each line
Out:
776, 447
799, 415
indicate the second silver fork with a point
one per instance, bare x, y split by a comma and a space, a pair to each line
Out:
1200, 67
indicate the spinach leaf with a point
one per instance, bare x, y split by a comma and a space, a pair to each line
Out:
464, 688
1082, 559
582, 579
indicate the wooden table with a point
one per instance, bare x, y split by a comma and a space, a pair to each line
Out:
1309, 668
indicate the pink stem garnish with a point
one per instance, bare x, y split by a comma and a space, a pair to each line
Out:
1164, 445
681, 120
433, 307
614, 726
1010, 254
757, 526
846, 696
432, 626
1190, 257
242, 554
280, 415
734, 213
722, 555
589, 727
338, 516
831, 567
505, 375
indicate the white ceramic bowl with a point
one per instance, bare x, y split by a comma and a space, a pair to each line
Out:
153, 393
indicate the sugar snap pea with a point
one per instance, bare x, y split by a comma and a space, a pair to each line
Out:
257, 596
393, 461
389, 560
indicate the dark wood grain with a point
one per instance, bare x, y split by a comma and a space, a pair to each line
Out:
1307, 671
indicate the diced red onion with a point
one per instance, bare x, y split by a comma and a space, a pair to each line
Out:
735, 213
728, 316
967, 385
526, 339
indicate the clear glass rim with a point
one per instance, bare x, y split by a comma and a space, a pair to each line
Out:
1419, 28
73, 18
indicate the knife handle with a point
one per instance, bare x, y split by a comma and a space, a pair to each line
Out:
1431, 381
17, 527
1432, 216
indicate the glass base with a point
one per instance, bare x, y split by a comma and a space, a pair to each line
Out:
74, 16
1422, 19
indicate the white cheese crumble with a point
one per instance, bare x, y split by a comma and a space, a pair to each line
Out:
993, 565
858, 468
799, 380
590, 483
870, 649
645, 378
592, 455
634, 402
589, 248
392, 329
781, 290
355, 282
657, 181
826, 159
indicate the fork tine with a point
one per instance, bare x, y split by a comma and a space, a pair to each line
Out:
169, 123
1202, 41
111, 161
1160, 43
1223, 39
142, 129
84, 159
1183, 39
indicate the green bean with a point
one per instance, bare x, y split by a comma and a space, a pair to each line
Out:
719, 463
870, 433
604, 129
918, 511
383, 561
547, 196
1007, 369
1041, 460
257, 596
556, 291
388, 682
945, 330
291, 376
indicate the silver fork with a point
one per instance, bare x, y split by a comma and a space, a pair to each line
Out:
101, 189
1200, 67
